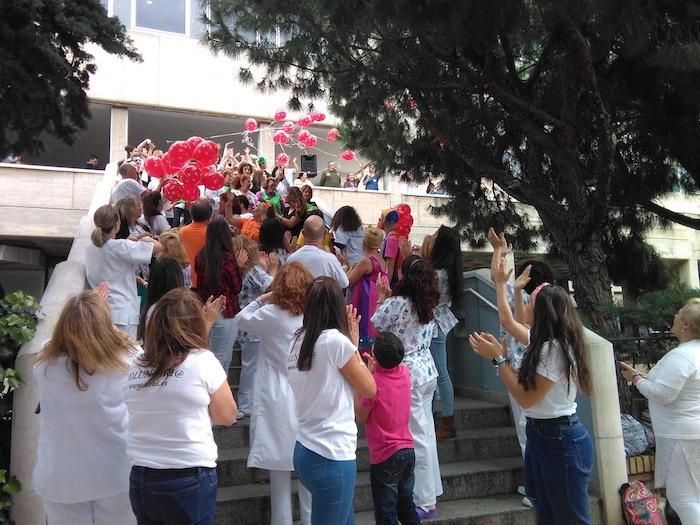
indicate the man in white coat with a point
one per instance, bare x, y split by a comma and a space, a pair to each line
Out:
312, 255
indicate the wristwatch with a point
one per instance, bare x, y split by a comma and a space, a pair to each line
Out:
500, 360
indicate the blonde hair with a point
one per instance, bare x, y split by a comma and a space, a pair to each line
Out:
173, 247
85, 334
105, 219
691, 315
241, 242
125, 205
373, 237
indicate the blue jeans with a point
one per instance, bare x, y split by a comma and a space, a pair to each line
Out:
173, 496
438, 347
558, 462
222, 337
392, 489
331, 483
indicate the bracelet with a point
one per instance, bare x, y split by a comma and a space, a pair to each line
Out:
635, 374
501, 360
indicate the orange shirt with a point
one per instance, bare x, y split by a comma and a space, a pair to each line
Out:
193, 237
251, 229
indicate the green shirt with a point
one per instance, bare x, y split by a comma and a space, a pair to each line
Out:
330, 179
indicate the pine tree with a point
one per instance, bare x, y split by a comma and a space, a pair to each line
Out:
586, 110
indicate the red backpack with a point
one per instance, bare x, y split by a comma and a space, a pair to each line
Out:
640, 506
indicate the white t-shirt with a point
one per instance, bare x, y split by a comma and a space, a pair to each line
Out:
320, 263
169, 422
324, 398
561, 399
82, 443
353, 243
158, 226
116, 262
680, 370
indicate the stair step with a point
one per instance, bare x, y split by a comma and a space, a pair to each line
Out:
249, 504
472, 444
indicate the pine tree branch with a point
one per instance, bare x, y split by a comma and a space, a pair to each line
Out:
673, 216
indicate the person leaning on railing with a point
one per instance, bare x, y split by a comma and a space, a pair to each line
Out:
673, 390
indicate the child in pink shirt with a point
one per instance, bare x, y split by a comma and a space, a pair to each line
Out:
388, 437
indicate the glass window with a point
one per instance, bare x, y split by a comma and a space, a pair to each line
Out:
198, 29
122, 10
163, 15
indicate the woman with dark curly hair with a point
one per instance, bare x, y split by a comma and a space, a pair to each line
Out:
348, 234
409, 314
273, 423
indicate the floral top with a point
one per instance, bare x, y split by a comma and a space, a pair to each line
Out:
256, 281
444, 318
516, 351
398, 315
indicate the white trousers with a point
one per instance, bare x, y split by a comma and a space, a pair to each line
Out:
428, 485
281, 499
681, 489
249, 363
520, 423
115, 510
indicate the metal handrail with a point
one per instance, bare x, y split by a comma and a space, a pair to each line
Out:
481, 298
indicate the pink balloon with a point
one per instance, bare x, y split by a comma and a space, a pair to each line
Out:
191, 175
173, 191
280, 137
206, 153
282, 159
311, 141
332, 134
288, 127
213, 180
194, 141
251, 124
154, 167
190, 192
303, 135
348, 154
280, 114
317, 116
305, 121
179, 153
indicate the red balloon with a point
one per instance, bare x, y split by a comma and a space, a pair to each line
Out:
280, 137
165, 162
191, 174
154, 167
213, 180
403, 208
173, 191
280, 114
311, 141
194, 141
303, 135
288, 127
348, 154
179, 153
190, 192
251, 124
317, 116
332, 134
206, 153
282, 159
305, 121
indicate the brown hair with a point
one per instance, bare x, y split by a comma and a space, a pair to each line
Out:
173, 247
175, 327
105, 219
289, 287
85, 334
241, 242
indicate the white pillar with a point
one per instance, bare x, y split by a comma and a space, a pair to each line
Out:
688, 273
607, 428
118, 133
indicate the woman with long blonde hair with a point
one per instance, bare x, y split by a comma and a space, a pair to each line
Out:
175, 392
172, 247
82, 467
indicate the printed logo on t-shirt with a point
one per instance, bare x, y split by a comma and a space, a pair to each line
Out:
143, 376
293, 359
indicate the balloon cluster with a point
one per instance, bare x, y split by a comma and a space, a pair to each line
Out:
187, 164
403, 227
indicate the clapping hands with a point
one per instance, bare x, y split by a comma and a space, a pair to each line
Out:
353, 324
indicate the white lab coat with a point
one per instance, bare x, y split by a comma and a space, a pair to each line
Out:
273, 423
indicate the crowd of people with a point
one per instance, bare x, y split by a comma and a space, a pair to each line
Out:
336, 326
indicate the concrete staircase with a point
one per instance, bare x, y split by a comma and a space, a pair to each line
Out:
481, 469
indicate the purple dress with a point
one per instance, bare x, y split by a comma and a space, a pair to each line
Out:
364, 298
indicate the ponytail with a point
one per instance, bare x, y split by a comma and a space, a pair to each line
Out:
98, 237
105, 218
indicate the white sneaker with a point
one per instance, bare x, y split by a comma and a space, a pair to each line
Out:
521, 490
527, 502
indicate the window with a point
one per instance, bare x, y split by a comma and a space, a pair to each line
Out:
163, 15
198, 29
122, 10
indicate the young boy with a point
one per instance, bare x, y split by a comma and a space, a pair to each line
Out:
389, 439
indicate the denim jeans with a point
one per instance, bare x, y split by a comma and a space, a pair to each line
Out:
173, 496
331, 483
558, 462
392, 489
222, 337
438, 347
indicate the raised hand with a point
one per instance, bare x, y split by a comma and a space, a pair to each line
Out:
500, 275
241, 258
212, 309
353, 324
263, 261
497, 241
523, 278
405, 247
486, 345
102, 290
273, 263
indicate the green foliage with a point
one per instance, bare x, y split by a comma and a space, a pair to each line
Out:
555, 104
8, 486
654, 311
46, 68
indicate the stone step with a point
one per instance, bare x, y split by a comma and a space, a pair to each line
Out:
249, 504
469, 414
472, 444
